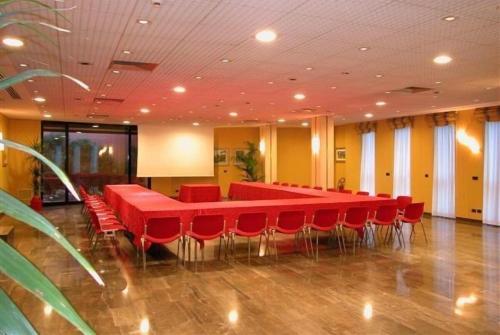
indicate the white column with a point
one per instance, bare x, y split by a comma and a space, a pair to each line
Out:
322, 152
269, 152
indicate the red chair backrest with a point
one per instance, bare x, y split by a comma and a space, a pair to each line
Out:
306, 186
387, 213
331, 189
208, 225
383, 195
326, 217
291, 220
346, 191
362, 193
284, 184
318, 188
294, 185
163, 228
252, 222
414, 211
356, 216
403, 201
276, 182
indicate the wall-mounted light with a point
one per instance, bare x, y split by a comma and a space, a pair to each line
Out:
469, 141
315, 145
262, 147
2, 146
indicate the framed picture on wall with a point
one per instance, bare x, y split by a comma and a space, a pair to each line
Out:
221, 157
340, 154
238, 153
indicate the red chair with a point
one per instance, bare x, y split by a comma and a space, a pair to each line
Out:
362, 193
289, 223
383, 195
306, 186
204, 228
104, 227
284, 184
355, 219
324, 220
403, 202
276, 182
161, 231
249, 225
331, 189
294, 185
386, 216
413, 214
346, 191
319, 188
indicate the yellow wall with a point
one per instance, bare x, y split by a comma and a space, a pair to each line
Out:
468, 191
294, 155
224, 138
3, 169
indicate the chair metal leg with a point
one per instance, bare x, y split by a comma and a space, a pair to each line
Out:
423, 229
183, 250
220, 245
202, 249
178, 250
189, 250
354, 239
266, 250
195, 256
305, 242
260, 244
339, 241
248, 243
317, 245
143, 255
310, 238
275, 246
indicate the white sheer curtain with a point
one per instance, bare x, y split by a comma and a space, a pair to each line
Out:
491, 187
402, 161
368, 163
443, 185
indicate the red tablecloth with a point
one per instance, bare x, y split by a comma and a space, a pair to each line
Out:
135, 204
199, 193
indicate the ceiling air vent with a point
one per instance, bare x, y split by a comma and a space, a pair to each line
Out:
131, 66
250, 121
97, 116
12, 92
412, 90
108, 101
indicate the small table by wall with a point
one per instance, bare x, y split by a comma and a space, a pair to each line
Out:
199, 193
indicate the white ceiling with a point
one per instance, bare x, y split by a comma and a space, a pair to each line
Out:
188, 38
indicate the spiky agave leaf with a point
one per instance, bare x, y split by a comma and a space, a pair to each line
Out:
19, 269
28, 74
13, 320
18, 210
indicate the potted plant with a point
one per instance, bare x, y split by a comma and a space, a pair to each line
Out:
248, 162
35, 170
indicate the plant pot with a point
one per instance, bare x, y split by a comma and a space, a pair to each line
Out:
36, 203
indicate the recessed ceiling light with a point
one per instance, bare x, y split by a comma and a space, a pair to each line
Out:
309, 68
116, 72
196, 124
95, 126
103, 95
225, 60
233, 114
13, 42
449, 18
144, 110
379, 75
333, 87
364, 49
179, 89
108, 85
48, 116
442, 59
126, 122
368, 115
281, 120
438, 82
39, 99
488, 88
304, 124
98, 102
242, 93
127, 52
198, 77
380, 103
31, 81
270, 82
299, 96
387, 92
23, 65
265, 36
143, 21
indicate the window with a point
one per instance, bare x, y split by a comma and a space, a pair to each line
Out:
91, 156
368, 162
443, 185
402, 160
491, 193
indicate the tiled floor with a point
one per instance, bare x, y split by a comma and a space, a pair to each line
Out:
450, 286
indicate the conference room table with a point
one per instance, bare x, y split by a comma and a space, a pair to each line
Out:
199, 193
135, 204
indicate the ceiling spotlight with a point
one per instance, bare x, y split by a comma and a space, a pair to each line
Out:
116, 72
299, 96
309, 68
39, 99
305, 124
379, 75
144, 110
369, 115
281, 120
242, 93
103, 95
143, 21
438, 82
380, 103
13, 42
449, 18
225, 60
442, 59
265, 36
198, 77
31, 81
127, 52
23, 65
387, 92
179, 89
95, 126
233, 114
270, 82
333, 87
364, 49
48, 116
126, 122
196, 124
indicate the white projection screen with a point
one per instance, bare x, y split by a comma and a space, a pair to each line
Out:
175, 151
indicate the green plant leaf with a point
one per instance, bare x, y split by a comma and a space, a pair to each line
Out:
19, 269
4, 22
25, 75
30, 11
18, 210
13, 320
